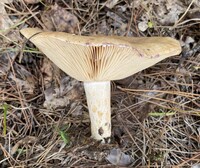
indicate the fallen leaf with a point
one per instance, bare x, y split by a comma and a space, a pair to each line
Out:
50, 72
26, 85
166, 12
103, 27
118, 23
138, 3
61, 96
5, 21
111, 3
119, 158
195, 165
77, 110
59, 19
143, 26
70, 87
52, 100
5, 63
24, 79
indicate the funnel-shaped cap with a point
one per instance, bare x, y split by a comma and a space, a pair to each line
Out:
101, 58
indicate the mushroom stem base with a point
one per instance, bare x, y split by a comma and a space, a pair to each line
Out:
98, 100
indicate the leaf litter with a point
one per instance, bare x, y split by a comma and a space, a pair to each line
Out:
59, 19
119, 158
155, 113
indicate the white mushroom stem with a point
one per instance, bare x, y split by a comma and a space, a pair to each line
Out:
98, 100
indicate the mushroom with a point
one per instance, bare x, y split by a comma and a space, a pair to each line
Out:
96, 60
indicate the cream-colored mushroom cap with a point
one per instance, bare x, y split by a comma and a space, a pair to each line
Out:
101, 58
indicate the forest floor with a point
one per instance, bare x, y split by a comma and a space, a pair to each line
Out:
44, 119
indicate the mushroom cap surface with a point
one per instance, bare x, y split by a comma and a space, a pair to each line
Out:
101, 58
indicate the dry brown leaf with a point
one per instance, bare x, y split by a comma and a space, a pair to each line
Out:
63, 91
138, 3
111, 3
24, 79
169, 12
196, 165
118, 20
5, 63
194, 12
59, 19
61, 96
53, 100
119, 158
166, 12
77, 109
5, 21
50, 72
103, 27
26, 85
